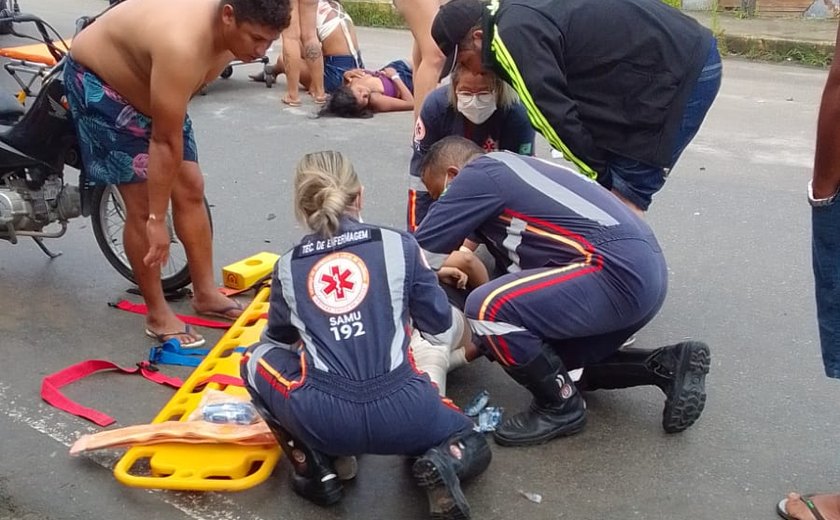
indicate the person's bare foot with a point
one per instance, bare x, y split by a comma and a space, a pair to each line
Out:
218, 305
828, 506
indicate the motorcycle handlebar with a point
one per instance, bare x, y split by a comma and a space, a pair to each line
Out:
19, 18
23, 17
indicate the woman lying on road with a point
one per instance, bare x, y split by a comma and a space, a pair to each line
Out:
339, 45
366, 92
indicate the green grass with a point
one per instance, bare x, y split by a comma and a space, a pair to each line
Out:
377, 14
374, 14
778, 51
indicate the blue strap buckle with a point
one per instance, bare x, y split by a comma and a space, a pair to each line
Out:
170, 352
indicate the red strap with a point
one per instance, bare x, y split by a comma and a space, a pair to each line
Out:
227, 291
222, 379
52, 383
140, 308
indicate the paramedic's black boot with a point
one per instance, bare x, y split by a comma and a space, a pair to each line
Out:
678, 370
441, 469
557, 409
313, 476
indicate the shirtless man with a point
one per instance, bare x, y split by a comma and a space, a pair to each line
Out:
129, 78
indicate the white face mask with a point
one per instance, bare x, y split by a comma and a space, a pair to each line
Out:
477, 108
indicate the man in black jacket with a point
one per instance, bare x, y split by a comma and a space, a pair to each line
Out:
619, 86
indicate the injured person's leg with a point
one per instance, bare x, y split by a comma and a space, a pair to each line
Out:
438, 360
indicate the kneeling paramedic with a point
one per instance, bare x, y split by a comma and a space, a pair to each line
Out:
333, 375
584, 273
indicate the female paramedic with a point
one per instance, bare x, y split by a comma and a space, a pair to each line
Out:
480, 107
333, 375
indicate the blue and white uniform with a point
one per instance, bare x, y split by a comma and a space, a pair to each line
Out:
583, 271
334, 365
507, 129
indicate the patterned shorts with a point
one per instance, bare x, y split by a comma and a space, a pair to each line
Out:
113, 136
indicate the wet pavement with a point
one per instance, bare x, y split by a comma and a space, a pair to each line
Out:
733, 221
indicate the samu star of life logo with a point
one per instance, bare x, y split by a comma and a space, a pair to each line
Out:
338, 283
490, 145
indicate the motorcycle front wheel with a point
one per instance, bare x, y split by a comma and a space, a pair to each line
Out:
108, 220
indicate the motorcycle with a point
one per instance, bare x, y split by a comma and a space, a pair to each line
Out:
37, 146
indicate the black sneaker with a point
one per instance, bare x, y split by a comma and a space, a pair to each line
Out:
683, 368
324, 491
435, 473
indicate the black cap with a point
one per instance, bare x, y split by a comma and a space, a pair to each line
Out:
451, 25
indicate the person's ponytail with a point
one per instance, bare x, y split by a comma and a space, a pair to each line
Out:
325, 186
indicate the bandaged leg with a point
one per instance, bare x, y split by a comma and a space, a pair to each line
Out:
458, 358
437, 360
431, 359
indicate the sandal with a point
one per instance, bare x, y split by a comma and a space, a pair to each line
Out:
163, 337
225, 313
291, 102
781, 507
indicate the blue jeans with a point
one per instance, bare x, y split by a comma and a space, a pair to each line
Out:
825, 222
335, 67
637, 181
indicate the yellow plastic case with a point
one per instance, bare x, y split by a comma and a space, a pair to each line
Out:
247, 272
205, 467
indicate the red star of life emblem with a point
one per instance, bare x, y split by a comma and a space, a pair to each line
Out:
490, 145
336, 282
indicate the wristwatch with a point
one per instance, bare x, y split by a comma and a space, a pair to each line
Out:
818, 203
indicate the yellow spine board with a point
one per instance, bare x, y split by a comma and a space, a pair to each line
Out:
205, 467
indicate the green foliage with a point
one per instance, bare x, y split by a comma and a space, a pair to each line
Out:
374, 14
380, 14
813, 57
722, 46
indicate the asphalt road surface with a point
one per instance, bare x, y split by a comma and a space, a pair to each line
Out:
733, 220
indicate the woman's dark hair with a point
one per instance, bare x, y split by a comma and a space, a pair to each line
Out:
269, 13
342, 103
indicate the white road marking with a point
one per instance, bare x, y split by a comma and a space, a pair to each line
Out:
50, 422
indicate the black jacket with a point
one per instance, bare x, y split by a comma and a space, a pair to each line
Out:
599, 76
